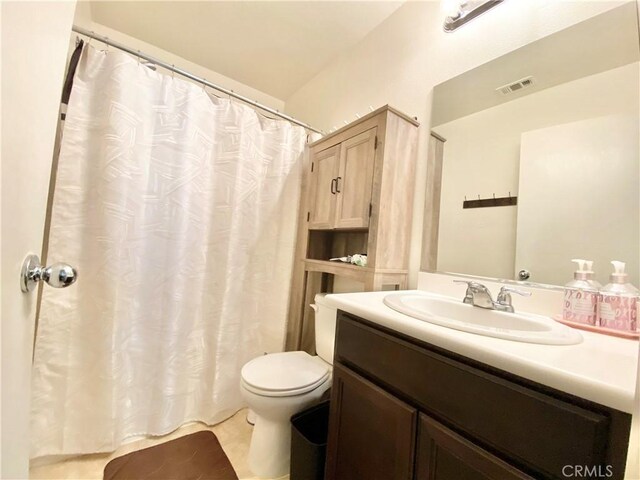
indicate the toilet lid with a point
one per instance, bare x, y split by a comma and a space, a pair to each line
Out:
285, 372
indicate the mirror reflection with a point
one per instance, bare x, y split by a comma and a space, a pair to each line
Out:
539, 152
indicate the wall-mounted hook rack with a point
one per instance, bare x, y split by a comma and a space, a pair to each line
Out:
490, 202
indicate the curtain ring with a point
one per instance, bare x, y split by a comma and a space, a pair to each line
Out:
230, 95
90, 38
106, 50
204, 85
138, 57
173, 71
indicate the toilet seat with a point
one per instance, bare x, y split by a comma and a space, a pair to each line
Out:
284, 374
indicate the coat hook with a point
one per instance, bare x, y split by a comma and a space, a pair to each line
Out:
465, 198
494, 196
478, 197
509, 194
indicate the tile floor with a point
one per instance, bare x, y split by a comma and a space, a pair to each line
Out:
234, 435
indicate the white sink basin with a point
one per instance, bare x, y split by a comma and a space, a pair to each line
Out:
519, 327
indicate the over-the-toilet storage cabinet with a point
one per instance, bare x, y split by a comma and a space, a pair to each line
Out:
342, 179
357, 197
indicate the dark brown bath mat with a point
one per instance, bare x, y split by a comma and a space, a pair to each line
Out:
196, 456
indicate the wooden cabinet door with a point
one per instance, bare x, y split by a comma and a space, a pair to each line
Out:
355, 180
445, 455
322, 201
371, 433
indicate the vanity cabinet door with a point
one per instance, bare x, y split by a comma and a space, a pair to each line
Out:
322, 199
445, 455
355, 179
371, 432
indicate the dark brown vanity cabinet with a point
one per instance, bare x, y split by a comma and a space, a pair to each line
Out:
405, 409
375, 431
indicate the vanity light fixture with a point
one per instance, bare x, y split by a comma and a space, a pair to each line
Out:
462, 11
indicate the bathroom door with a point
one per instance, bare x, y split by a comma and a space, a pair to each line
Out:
35, 42
579, 198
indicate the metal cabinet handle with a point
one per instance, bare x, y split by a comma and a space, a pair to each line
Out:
58, 275
338, 184
334, 183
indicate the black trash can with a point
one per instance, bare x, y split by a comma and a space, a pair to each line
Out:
309, 430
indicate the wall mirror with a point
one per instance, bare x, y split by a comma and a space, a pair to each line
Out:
543, 144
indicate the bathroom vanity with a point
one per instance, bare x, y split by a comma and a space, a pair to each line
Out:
414, 400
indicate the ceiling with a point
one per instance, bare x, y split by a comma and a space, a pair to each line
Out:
601, 43
273, 46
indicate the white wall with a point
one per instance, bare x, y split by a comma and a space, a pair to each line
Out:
482, 157
35, 38
83, 19
401, 61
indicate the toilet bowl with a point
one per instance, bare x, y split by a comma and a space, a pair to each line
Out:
279, 385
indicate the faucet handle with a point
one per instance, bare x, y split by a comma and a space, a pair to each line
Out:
524, 293
505, 294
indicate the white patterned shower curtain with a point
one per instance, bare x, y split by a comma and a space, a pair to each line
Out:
179, 212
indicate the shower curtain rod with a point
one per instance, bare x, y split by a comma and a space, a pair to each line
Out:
137, 53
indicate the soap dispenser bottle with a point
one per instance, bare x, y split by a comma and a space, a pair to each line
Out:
581, 295
618, 301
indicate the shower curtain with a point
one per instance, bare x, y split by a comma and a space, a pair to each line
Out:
179, 211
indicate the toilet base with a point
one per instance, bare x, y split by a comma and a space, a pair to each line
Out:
251, 417
270, 450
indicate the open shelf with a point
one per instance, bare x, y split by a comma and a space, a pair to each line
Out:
345, 269
326, 244
337, 268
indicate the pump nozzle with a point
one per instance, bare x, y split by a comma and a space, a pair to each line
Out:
580, 273
618, 267
581, 263
618, 275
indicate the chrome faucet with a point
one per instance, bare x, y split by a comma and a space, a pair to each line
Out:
479, 296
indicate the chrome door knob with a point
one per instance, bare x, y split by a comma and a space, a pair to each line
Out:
58, 275
524, 274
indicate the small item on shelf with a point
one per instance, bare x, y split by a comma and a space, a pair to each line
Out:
618, 302
356, 259
581, 295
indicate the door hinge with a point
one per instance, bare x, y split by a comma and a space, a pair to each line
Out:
308, 216
312, 166
375, 143
370, 209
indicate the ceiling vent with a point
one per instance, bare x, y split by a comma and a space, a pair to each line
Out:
515, 86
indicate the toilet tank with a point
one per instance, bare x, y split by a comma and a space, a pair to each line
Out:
325, 328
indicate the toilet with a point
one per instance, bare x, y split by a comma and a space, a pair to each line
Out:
279, 385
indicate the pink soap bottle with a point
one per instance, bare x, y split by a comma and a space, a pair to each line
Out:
618, 302
581, 295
